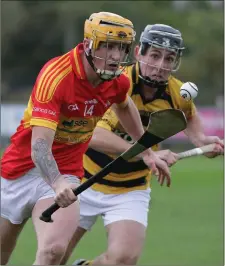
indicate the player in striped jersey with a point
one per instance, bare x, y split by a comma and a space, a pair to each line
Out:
122, 197
44, 161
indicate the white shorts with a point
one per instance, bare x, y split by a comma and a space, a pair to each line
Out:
132, 205
19, 196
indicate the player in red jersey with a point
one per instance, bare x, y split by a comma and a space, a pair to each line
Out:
44, 161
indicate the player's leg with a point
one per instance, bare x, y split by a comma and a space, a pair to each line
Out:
79, 233
16, 206
90, 208
126, 221
9, 233
125, 243
54, 238
125, 217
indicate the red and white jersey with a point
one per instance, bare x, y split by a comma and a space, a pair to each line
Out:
62, 99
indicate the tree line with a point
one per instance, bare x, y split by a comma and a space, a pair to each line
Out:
35, 31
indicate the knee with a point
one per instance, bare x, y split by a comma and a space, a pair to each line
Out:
121, 256
52, 253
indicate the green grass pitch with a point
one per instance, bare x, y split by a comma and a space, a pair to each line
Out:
185, 221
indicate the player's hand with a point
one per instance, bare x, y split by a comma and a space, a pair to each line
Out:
159, 168
218, 147
64, 192
168, 156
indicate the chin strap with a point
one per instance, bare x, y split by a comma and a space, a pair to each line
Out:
160, 85
139, 79
104, 75
138, 82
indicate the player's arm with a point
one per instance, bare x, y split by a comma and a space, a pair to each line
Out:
195, 133
129, 118
46, 101
131, 121
106, 141
41, 153
47, 97
195, 129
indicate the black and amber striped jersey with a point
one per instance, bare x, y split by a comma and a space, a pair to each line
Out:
132, 175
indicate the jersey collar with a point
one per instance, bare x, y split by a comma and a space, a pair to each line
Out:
77, 63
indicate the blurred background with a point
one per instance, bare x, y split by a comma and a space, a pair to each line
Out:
35, 31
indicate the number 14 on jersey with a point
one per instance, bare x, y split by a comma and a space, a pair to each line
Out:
88, 110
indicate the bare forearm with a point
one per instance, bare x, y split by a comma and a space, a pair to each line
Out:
106, 141
44, 160
130, 119
195, 131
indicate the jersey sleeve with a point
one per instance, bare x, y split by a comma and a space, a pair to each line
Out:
189, 110
46, 114
122, 95
123, 101
188, 107
109, 120
47, 96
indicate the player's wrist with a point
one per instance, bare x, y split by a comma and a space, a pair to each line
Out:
145, 154
199, 140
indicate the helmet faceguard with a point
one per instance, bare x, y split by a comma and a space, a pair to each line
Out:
110, 30
165, 38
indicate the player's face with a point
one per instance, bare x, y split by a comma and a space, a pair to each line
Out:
157, 63
109, 55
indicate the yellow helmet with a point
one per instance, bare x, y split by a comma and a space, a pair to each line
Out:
106, 26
